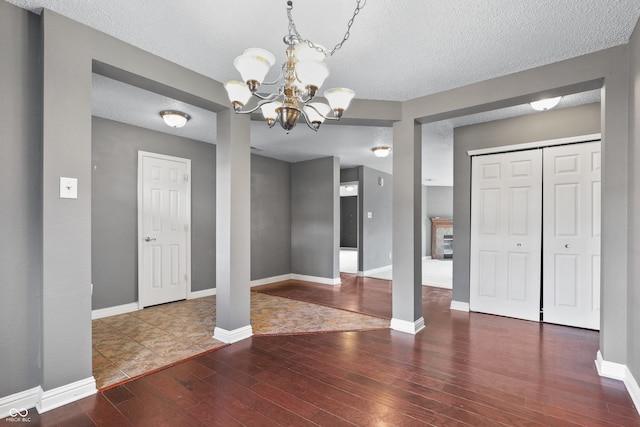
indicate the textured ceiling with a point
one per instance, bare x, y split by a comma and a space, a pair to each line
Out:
397, 50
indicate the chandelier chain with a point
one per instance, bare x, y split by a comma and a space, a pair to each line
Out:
294, 35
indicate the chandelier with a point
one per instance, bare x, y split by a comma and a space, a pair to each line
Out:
301, 76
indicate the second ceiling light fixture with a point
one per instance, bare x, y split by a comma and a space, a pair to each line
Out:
303, 73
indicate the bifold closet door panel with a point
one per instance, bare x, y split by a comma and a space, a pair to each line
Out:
506, 225
571, 235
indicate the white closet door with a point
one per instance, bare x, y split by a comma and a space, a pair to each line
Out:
506, 216
571, 235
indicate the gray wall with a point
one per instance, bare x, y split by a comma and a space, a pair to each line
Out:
438, 203
633, 300
270, 217
114, 207
374, 234
551, 124
349, 175
376, 231
315, 218
20, 200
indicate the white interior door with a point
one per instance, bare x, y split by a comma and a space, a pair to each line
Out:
164, 193
571, 248
506, 216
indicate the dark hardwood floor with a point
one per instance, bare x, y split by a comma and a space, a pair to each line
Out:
463, 369
374, 298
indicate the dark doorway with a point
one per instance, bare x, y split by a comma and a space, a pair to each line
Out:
349, 222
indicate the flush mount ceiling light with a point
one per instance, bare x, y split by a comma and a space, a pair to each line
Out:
175, 119
382, 151
545, 104
301, 76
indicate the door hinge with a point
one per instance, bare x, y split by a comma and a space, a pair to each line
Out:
186, 177
186, 278
186, 227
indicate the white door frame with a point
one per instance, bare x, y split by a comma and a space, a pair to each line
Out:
140, 233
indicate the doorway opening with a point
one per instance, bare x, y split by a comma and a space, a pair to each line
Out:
349, 227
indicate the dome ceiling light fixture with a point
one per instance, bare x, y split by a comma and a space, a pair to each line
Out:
381, 151
302, 75
545, 104
175, 119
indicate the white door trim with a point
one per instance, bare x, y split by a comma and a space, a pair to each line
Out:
536, 144
141, 155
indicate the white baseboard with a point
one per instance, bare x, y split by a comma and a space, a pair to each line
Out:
610, 369
20, 401
229, 337
201, 294
376, 270
618, 371
267, 280
406, 326
426, 257
60, 396
459, 306
114, 311
633, 388
315, 279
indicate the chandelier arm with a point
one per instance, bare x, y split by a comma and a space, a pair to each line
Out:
260, 104
276, 81
294, 35
306, 120
319, 113
269, 98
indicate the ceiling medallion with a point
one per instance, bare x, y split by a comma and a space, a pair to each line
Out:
302, 75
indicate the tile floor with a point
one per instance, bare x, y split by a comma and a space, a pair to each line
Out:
132, 344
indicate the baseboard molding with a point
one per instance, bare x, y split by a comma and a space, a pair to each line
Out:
633, 388
459, 306
229, 337
376, 270
201, 294
52, 399
406, 326
114, 311
618, 371
268, 280
610, 369
20, 401
426, 257
315, 279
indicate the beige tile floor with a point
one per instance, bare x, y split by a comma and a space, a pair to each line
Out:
132, 344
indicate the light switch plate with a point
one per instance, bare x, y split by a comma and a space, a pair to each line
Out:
68, 188
369, 214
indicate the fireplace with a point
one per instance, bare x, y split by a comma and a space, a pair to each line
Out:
441, 238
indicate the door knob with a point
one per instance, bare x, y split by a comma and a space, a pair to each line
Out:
149, 239
519, 244
567, 246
